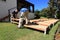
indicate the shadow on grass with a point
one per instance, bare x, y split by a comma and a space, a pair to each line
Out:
57, 33
5, 22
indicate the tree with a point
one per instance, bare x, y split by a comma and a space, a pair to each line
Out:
45, 12
37, 14
52, 7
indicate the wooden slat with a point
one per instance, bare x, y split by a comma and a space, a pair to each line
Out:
44, 23
15, 19
14, 22
38, 27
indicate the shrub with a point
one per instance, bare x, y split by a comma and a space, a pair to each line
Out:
58, 14
37, 14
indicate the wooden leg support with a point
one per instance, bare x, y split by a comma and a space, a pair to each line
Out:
45, 32
19, 24
53, 24
49, 27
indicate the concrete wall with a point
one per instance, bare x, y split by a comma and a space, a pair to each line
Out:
3, 9
5, 6
11, 4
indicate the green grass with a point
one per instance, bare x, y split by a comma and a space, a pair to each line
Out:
9, 31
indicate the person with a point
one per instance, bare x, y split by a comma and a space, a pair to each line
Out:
15, 12
14, 15
23, 16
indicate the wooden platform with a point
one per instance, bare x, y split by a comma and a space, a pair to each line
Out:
42, 25
39, 24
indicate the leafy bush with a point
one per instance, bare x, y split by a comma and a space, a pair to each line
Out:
58, 14
37, 14
46, 13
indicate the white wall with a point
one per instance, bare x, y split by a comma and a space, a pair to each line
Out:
3, 9
11, 4
4, 6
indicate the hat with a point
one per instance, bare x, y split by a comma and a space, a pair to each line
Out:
23, 10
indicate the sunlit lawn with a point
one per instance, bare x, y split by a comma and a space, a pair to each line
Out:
9, 31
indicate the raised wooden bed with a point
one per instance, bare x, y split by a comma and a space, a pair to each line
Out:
40, 24
43, 26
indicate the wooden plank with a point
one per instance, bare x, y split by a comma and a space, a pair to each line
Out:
37, 27
15, 19
14, 22
51, 21
44, 23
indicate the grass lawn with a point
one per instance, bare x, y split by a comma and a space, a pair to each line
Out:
9, 31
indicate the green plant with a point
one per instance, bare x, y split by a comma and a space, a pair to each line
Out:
37, 14
58, 15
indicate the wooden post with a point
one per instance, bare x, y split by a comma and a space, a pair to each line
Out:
45, 32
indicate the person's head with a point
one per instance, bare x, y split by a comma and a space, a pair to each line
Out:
16, 10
